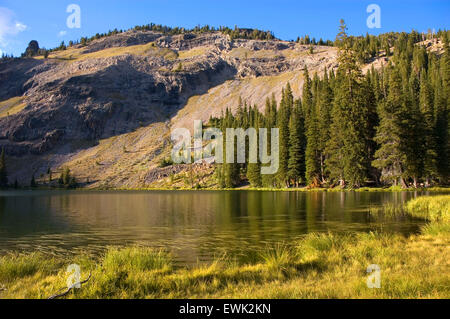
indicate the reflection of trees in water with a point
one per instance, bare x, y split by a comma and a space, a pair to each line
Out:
194, 224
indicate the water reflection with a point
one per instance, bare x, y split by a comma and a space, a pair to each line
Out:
194, 225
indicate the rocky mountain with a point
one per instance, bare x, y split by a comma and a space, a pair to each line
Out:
105, 110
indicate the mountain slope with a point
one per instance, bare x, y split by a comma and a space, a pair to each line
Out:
106, 109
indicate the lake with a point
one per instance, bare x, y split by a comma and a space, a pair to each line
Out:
193, 225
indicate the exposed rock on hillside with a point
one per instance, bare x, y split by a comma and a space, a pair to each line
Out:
126, 91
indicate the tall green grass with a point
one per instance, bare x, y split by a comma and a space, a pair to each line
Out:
14, 266
433, 208
389, 210
136, 258
278, 257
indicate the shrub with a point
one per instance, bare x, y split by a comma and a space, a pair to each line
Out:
165, 162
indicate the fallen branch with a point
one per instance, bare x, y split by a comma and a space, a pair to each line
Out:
58, 295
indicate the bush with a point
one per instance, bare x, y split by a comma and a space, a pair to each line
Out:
165, 162
179, 68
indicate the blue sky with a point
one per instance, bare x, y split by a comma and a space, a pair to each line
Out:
45, 20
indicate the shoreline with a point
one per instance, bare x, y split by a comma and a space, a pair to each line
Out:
302, 189
262, 189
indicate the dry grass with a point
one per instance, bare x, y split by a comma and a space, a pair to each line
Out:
12, 106
149, 49
195, 52
320, 266
245, 53
120, 161
226, 95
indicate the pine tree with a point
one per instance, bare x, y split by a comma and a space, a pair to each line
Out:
445, 67
391, 123
296, 163
412, 131
442, 102
335, 149
390, 158
66, 179
33, 182
254, 169
325, 101
270, 120
312, 161
3, 172
230, 170
372, 122
350, 119
283, 124
427, 110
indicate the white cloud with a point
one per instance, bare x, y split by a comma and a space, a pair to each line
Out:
62, 33
20, 27
9, 27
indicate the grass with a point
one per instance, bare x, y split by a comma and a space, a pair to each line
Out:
149, 49
12, 106
436, 208
290, 54
137, 259
245, 53
15, 266
317, 266
195, 52
389, 210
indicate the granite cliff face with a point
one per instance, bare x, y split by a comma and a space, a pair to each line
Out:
106, 109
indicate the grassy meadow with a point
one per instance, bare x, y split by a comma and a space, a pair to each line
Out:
318, 266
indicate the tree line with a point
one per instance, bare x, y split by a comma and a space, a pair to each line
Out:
365, 47
389, 126
66, 179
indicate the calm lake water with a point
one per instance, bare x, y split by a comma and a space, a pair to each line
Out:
194, 225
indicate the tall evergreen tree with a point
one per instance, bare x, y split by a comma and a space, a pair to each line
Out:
412, 130
33, 183
325, 101
3, 172
254, 169
427, 109
270, 117
296, 163
442, 102
390, 158
312, 161
284, 114
230, 170
350, 119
